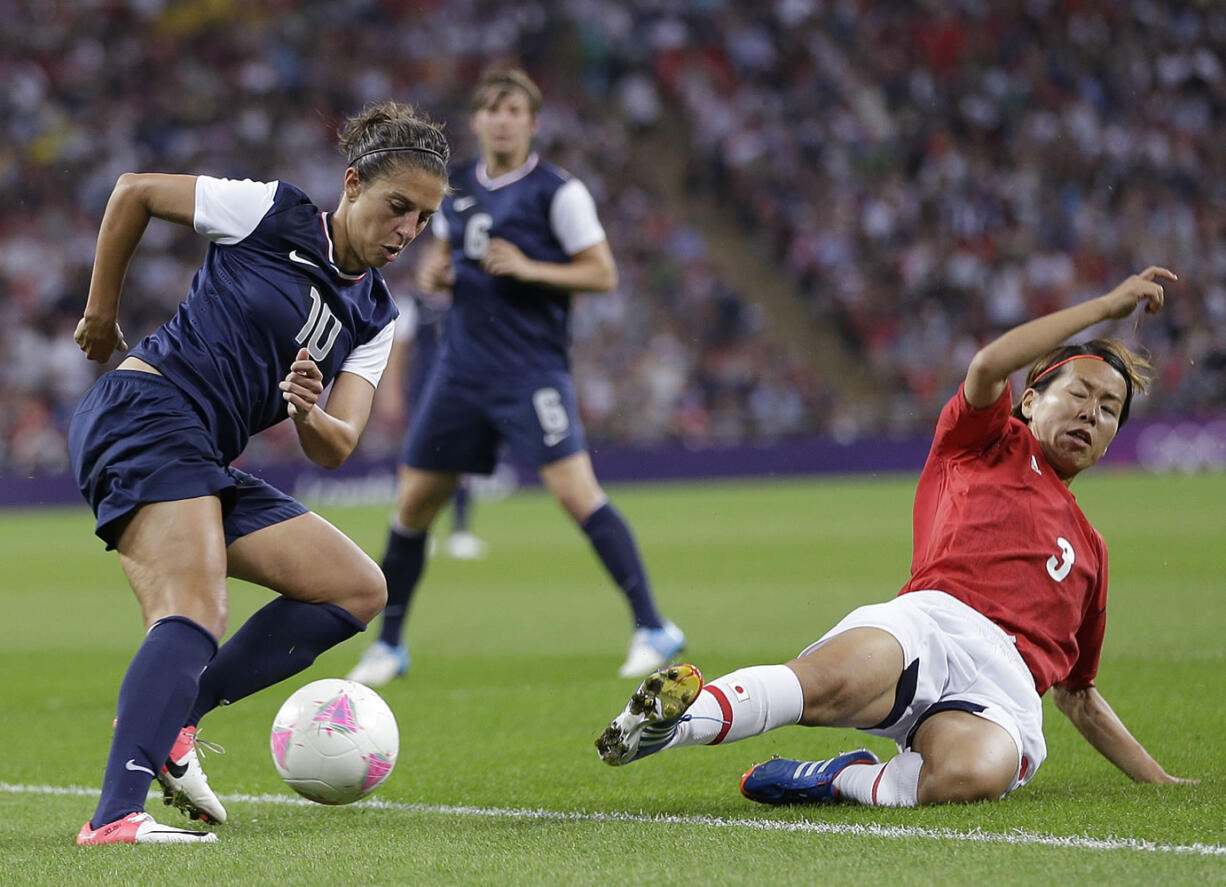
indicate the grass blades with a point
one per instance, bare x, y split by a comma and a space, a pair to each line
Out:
514, 674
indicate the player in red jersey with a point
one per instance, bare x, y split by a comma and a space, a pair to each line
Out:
1007, 599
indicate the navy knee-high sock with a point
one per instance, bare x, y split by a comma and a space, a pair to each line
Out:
403, 564
614, 543
459, 509
279, 640
154, 699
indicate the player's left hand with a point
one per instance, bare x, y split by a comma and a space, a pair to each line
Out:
302, 386
505, 259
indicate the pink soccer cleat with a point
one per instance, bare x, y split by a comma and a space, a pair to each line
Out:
140, 828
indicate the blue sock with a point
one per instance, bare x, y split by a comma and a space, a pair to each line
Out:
403, 563
614, 544
459, 509
279, 640
154, 699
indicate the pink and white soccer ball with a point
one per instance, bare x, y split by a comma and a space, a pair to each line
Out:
334, 741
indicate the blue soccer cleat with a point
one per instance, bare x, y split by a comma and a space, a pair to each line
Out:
784, 781
651, 716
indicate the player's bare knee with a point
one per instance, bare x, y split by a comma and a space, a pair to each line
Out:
368, 594
962, 781
217, 625
214, 625
211, 615
373, 600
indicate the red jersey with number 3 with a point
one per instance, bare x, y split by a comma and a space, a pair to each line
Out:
996, 528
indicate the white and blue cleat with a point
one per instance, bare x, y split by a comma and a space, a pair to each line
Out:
650, 718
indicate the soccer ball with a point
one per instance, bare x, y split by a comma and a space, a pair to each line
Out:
334, 741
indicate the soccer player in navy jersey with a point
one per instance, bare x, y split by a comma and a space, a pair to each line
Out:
516, 237
289, 300
1007, 599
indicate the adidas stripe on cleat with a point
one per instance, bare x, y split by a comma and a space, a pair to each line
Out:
785, 781
140, 828
650, 718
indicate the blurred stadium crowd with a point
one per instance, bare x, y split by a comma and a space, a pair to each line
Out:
927, 173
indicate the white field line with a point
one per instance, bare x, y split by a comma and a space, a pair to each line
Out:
1017, 836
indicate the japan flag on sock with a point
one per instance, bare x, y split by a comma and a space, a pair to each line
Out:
741, 692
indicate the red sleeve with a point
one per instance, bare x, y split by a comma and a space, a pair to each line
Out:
1090, 635
963, 428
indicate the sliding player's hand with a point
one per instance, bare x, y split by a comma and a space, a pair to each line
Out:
1139, 289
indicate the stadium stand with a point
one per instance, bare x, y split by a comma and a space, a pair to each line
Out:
925, 174
930, 173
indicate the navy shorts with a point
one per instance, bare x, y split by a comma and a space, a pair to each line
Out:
137, 438
460, 423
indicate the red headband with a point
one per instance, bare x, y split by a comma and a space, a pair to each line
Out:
1060, 363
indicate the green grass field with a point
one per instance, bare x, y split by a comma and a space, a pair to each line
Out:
514, 675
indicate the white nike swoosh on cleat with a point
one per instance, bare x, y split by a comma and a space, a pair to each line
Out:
132, 765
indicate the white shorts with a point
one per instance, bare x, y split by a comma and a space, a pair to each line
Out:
956, 660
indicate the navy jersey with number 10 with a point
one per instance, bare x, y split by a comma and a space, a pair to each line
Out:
269, 286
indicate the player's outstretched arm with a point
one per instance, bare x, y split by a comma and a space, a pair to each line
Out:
328, 438
1022, 345
1103, 729
135, 199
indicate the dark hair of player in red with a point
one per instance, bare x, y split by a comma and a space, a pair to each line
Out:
1135, 369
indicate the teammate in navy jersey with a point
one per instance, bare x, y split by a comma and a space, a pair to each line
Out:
1007, 598
516, 237
289, 301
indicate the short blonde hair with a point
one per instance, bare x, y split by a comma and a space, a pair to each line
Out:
497, 82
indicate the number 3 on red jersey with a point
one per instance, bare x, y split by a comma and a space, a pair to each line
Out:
1058, 569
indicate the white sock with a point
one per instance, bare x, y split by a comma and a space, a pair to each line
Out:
743, 703
892, 784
